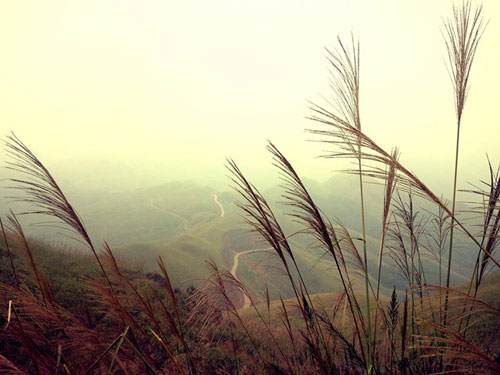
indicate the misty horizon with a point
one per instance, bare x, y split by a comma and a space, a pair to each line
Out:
169, 105
249, 187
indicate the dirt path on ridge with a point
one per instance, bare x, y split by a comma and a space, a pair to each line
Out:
177, 216
220, 206
246, 300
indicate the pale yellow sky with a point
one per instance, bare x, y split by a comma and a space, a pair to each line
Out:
184, 84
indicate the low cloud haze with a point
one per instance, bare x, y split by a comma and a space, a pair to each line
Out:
146, 93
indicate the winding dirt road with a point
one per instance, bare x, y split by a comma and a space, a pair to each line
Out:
182, 219
246, 300
220, 205
155, 206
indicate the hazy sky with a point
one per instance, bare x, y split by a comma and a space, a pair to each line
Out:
181, 85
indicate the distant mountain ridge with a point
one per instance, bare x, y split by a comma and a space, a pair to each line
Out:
181, 221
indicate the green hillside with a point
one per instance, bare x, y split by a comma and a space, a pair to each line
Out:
181, 221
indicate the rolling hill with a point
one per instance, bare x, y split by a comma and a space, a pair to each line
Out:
188, 224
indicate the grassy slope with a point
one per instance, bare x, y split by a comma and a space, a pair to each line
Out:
181, 222
483, 325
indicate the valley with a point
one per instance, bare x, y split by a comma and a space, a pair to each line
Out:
188, 224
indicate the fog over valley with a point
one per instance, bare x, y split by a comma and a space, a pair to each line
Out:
249, 187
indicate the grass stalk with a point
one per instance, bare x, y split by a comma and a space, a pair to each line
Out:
462, 35
9, 253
